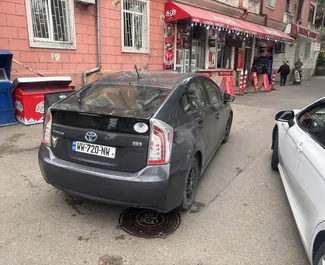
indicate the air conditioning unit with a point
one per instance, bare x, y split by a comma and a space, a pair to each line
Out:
86, 2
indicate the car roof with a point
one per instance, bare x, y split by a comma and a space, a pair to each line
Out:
166, 79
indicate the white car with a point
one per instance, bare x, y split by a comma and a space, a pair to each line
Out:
298, 144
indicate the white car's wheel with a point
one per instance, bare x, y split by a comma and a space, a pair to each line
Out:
320, 255
275, 154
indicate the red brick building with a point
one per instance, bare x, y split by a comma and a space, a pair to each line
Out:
59, 37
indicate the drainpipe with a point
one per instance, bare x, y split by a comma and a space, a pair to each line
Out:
266, 17
99, 58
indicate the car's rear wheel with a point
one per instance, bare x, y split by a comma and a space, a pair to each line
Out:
275, 154
191, 184
320, 255
228, 129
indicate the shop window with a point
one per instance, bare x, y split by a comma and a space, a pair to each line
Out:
270, 3
51, 23
311, 14
135, 26
224, 56
279, 47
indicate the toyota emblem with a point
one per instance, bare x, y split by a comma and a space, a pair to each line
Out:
91, 136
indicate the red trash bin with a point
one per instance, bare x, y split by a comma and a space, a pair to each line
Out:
29, 96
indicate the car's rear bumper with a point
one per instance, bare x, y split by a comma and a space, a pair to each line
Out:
155, 187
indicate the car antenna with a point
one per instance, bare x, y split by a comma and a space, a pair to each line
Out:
136, 69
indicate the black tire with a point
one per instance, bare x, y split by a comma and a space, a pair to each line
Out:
191, 185
319, 254
275, 154
228, 130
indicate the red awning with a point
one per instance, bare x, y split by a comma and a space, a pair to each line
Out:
176, 11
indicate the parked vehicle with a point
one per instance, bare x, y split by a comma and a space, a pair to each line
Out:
140, 141
298, 144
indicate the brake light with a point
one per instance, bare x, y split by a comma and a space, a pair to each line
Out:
161, 141
47, 129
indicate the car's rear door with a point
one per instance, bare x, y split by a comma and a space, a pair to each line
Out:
215, 97
195, 103
310, 176
290, 155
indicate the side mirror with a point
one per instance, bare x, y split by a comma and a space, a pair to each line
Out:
286, 116
228, 98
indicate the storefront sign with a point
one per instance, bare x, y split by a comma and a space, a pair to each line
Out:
170, 13
207, 74
240, 59
169, 46
225, 73
303, 31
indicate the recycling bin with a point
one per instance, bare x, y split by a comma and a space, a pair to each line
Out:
29, 96
7, 110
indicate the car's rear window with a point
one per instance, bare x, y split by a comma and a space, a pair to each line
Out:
120, 96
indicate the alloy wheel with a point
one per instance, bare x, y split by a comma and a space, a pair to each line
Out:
191, 184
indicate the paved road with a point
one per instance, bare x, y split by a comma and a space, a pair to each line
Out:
241, 216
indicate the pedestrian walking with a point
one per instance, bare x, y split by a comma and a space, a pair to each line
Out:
284, 71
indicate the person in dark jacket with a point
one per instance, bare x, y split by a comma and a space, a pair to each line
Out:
284, 71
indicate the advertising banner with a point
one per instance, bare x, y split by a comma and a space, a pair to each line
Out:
169, 44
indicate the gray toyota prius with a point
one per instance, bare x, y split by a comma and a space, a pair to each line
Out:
136, 139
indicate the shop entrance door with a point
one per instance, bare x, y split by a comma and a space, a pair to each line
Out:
248, 57
198, 58
183, 60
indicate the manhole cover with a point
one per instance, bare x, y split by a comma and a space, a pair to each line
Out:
148, 223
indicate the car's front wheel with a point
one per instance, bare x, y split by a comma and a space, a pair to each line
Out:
275, 154
191, 184
320, 255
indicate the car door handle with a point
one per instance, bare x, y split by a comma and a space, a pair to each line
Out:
300, 147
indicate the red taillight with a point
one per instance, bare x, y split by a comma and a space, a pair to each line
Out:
161, 140
47, 129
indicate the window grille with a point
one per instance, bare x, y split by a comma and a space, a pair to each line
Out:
135, 25
51, 23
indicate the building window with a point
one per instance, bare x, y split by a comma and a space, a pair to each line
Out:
301, 10
135, 25
311, 14
289, 6
279, 47
51, 24
270, 3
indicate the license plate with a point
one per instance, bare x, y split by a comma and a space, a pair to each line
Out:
94, 149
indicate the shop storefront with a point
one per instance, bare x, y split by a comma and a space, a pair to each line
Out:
213, 44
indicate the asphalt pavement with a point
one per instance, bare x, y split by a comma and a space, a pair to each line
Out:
241, 214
